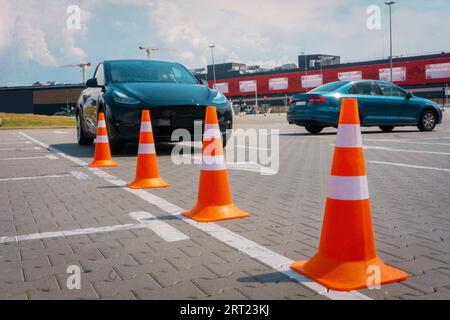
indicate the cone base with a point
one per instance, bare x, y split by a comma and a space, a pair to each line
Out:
103, 163
347, 276
148, 183
215, 213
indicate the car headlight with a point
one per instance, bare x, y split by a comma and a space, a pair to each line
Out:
219, 98
121, 97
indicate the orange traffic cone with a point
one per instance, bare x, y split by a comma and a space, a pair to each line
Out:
214, 202
347, 258
147, 173
102, 154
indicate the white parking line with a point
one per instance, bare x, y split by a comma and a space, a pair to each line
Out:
266, 256
162, 229
250, 166
13, 139
68, 233
49, 156
249, 147
408, 141
409, 165
408, 151
440, 138
37, 177
19, 149
16, 142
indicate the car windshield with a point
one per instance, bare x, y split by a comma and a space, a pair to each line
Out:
329, 87
149, 71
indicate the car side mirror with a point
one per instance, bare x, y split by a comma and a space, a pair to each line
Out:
92, 83
204, 82
409, 95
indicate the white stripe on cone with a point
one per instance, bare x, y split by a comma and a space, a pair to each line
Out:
348, 188
146, 148
212, 133
213, 163
101, 124
101, 139
146, 127
210, 126
349, 136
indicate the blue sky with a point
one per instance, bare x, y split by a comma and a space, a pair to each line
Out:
35, 41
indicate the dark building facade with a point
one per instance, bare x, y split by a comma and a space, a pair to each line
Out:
46, 100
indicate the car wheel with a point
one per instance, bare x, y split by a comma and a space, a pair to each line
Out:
387, 128
83, 139
427, 121
314, 129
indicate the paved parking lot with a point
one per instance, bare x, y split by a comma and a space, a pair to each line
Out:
138, 247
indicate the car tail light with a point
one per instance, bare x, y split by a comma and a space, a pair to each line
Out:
317, 99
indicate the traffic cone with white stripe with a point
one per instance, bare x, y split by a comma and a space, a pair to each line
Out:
102, 154
147, 173
214, 202
347, 258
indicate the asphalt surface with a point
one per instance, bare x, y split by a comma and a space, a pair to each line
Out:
49, 198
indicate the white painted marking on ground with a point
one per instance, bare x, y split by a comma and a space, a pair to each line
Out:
198, 144
68, 233
251, 248
80, 175
146, 220
408, 141
250, 166
60, 132
409, 165
36, 177
404, 150
19, 149
248, 147
49, 156
16, 142
13, 139
436, 138
162, 229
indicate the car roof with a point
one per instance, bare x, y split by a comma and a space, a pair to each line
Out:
137, 60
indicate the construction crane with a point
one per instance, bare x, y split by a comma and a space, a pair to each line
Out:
150, 50
82, 65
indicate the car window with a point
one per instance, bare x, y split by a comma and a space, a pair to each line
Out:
365, 88
100, 75
149, 71
390, 90
329, 87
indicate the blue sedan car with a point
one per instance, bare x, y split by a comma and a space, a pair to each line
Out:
381, 104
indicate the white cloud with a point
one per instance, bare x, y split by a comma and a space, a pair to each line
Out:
35, 31
264, 32
268, 31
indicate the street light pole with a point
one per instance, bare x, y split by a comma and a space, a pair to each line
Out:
306, 67
390, 3
256, 95
213, 64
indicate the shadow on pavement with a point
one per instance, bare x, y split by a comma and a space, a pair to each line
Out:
394, 132
129, 150
273, 277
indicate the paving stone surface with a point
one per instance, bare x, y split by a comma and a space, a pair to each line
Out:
410, 214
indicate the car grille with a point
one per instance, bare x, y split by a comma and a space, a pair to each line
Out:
168, 118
